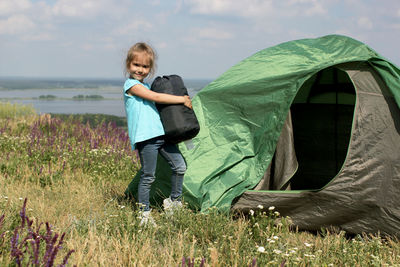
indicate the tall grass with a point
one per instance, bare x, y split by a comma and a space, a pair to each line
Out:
74, 176
9, 110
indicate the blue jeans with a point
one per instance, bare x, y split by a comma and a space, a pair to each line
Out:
148, 152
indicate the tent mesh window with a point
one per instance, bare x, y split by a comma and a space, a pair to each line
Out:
322, 116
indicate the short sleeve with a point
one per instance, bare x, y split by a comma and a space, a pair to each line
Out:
129, 83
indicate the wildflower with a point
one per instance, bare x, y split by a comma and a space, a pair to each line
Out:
307, 244
252, 212
271, 208
260, 207
261, 249
275, 237
20, 198
309, 255
121, 207
277, 213
277, 251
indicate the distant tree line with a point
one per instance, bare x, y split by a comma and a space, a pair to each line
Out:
47, 97
88, 97
77, 97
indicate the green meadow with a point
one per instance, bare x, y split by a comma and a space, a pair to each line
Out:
62, 183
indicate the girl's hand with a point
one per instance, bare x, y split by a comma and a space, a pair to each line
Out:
187, 102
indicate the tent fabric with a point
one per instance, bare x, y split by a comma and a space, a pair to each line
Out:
284, 163
241, 116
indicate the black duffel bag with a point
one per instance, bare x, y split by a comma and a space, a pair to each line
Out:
180, 122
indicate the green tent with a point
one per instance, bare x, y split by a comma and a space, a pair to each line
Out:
311, 127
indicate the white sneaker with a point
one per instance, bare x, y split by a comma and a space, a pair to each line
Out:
146, 219
171, 206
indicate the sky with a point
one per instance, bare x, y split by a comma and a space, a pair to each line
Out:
197, 39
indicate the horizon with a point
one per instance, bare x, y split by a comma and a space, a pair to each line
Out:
87, 78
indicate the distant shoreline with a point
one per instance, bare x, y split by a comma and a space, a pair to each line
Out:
22, 83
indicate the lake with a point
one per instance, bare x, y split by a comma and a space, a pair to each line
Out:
73, 96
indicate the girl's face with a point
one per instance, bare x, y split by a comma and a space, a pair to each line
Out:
140, 67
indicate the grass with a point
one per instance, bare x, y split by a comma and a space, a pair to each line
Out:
73, 176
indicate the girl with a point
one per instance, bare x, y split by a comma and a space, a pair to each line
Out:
145, 129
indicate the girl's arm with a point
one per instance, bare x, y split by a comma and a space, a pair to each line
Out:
141, 91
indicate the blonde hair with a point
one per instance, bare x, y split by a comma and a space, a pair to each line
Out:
141, 48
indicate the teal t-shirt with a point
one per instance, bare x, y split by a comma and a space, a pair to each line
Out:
142, 116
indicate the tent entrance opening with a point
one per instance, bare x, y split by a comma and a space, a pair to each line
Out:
322, 116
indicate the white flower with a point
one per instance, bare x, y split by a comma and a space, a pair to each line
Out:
277, 213
309, 255
275, 237
277, 251
261, 249
307, 244
252, 212
260, 207
20, 198
271, 208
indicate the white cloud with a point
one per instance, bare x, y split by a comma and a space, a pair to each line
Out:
39, 36
207, 37
244, 8
303, 8
78, 8
213, 34
135, 26
8, 7
257, 8
315, 9
365, 22
16, 24
161, 45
